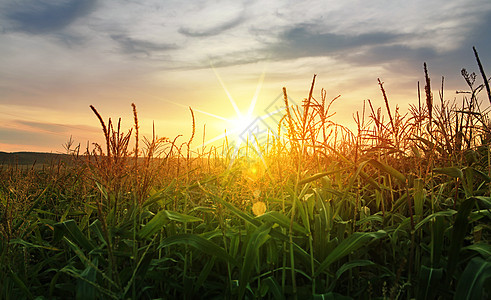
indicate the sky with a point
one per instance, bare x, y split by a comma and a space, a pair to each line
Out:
58, 57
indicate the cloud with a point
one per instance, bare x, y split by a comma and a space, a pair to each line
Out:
136, 46
214, 30
211, 18
300, 41
49, 128
38, 17
387, 53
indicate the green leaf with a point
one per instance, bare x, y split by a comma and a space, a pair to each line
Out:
372, 218
178, 217
281, 219
430, 146
385, 167
155, 197
96, 227
20, 284
419, 197
274, 287
428, 280
203, 275
353, 264
486, 201
458, 234
450, 171
31, 245
87, 262
482, 248
28, 212
85, 286
199, 243
239, 213
320, 175
330, 296
472, 280
160, 219
348, 245
70, 270
70, 229
256, 240
443, 213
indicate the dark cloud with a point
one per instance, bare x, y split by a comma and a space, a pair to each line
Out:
450, 63
378, 54
37, 17
300, 41
215, 30
134, 46
303, 41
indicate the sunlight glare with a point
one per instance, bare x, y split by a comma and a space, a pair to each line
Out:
242, 126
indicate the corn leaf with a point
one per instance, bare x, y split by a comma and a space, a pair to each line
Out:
443, 213
481, 248
352, 243
458, 234
69, 228
450, 171
428, 280
160, 219
353, 264
200, 243
256, 240
274, 287
385, 167
471, 283
282, 220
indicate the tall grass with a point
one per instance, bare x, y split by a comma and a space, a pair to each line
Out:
397, 209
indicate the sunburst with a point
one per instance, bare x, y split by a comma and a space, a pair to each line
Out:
243, 125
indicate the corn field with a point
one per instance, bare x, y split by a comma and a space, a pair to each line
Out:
398, 208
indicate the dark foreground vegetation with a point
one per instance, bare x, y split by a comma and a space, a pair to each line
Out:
397, 209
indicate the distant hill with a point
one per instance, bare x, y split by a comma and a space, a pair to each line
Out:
30, 158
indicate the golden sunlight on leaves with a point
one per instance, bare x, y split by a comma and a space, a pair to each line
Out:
259, 208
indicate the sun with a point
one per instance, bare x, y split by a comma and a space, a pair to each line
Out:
242, 126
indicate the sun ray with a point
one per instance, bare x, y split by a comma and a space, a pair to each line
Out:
197, 110
242, 128
218, 137
256, 94
232, 101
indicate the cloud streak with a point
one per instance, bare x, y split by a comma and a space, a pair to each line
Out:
38, 17
137, 46
215, 30
300, 41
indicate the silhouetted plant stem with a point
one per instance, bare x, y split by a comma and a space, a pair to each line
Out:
429, 98
481, 69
